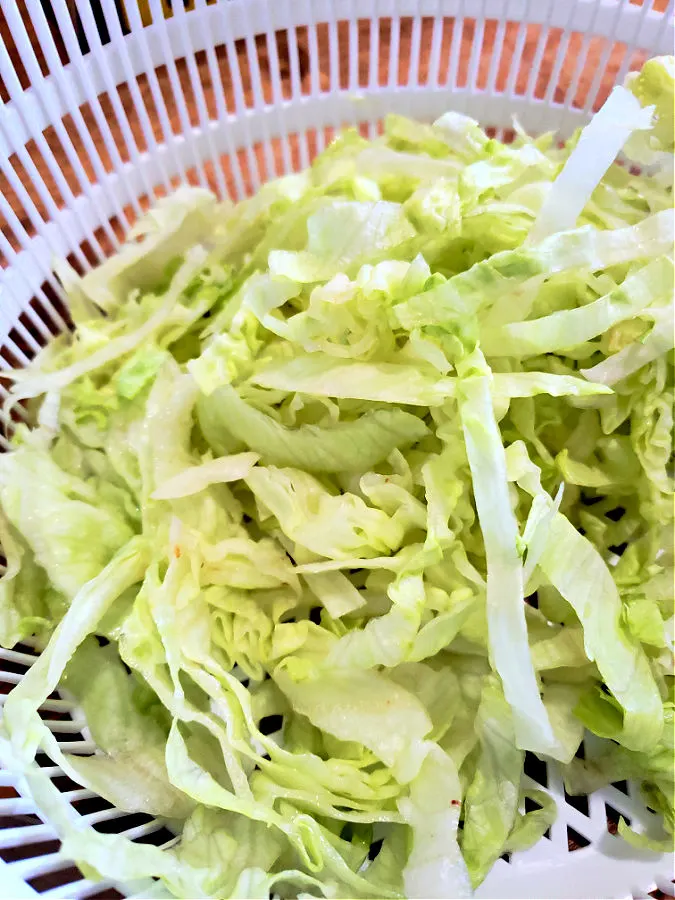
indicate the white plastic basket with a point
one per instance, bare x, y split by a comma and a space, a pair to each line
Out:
95, 122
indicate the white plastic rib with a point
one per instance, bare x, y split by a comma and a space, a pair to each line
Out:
241, 110
179, 99
67, 33
594, 89
258, 99
27, 834
476, 49
149, 69
455, 46
83, 747
216, 77
63, 726
433, 79
582, 58
200, 100
517, 59
10, 677
16, 806
16, 656
38, 865
296, 87
100, 67
65, 87
277, 98
30, 63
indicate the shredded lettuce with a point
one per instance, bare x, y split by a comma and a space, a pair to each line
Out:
338, 502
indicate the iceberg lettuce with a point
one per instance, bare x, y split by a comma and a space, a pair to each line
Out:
338, 502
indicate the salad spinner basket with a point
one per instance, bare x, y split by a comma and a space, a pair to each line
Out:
107, 105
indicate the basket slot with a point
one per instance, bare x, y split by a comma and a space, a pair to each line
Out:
25, 340
213, 171
62, 876
59, 136
28, 833
16, 806
62, 728
177, 94
253, 50
16, 339
445, 55
134, 120
295, 77
88, 157
596, 96
83, 747
92, 109
537, 79
38, 865
79, 889
314, 79
163, 131
17, 171
215, 63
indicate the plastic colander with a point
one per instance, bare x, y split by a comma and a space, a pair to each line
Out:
106, 105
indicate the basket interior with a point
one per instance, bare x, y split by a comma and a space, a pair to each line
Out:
108, 105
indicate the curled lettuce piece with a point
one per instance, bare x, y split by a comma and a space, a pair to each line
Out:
196, 478
384, 382
654, 86
478, 288
634, 356
341, 234
340, 447
652, 284
505, 607
58, 513
578, 572
491, 802
597, 148
435, 867
94, 598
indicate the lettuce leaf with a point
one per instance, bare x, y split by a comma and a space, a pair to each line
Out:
338, 501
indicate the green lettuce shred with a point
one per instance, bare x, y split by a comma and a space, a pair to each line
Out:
340, 501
